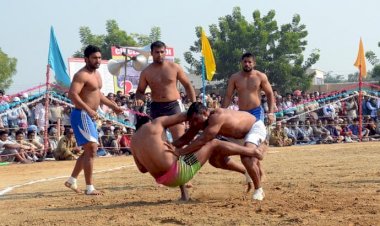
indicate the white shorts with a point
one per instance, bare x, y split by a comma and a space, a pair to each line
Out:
256, 134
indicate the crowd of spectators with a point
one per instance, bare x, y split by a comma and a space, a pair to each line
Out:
302, 118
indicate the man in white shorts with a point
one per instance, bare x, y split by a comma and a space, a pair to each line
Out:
227, 123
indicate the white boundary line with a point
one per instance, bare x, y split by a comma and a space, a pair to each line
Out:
8, 189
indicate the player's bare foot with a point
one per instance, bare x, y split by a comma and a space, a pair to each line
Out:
94, 192
73, 187
188, 185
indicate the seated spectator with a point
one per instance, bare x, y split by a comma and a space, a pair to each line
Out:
34, 139
354, 127
346, 132
334, 133
29, 148
67, 148
278, 137
321, 134
11, 151
293, 132
125, 142
371, 126
108, 142
307, 132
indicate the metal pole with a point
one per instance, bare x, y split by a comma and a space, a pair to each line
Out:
203, 81
360, 105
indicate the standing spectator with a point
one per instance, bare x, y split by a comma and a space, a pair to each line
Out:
17, 116
55, 112
352, 108
39, 114
328, 110
372, 107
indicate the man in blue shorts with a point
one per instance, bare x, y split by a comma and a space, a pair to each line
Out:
248, 84
86, 96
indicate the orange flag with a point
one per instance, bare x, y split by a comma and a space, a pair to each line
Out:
360, 60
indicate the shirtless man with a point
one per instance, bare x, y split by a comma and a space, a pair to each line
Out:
228, 123
168, 165
85, 94
248, 84
162, 76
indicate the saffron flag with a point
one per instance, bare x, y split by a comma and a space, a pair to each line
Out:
360, 60
56, 62
208, 57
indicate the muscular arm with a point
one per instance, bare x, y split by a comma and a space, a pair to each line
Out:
184, 80
108, 102
168, 121
141, 87
213, 128
186, 138
229, 92
76, 87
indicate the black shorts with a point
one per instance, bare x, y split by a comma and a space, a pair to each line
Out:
158, 109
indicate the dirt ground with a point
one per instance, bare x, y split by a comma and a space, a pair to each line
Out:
305, 185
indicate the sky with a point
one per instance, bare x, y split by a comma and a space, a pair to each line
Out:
334, 27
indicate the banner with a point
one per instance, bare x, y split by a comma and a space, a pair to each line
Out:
132, 75
75, 64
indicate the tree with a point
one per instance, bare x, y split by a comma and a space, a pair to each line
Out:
330, 78
114, 36
143, 40
7, 70
278, 51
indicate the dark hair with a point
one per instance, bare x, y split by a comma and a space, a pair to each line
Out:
248, 55
157, 44
141, 120
90, 49
2, 92
18, 132
2, 132
196, 108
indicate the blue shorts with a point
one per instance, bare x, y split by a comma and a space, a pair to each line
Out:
258, 113
84, 127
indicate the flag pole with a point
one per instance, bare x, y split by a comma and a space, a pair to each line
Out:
203, 81
360, 104
47, 109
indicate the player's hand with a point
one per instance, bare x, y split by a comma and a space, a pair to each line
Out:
271, 118
118, 110
94, 115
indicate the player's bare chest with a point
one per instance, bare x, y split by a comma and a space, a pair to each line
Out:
248, 83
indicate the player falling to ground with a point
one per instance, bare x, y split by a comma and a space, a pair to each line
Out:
168, 165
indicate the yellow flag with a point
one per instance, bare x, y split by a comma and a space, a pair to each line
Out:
208, 57
360, 60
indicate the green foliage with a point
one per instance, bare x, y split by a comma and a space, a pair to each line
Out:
376, 72
278, 50
371, 57
114, 36
330, 78
7, 70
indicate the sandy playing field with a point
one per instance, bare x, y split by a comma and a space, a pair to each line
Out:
305, 185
